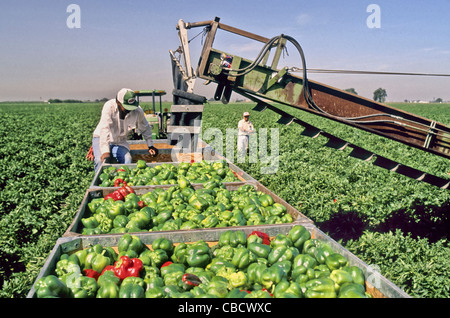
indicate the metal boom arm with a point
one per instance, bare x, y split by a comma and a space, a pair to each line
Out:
261, 82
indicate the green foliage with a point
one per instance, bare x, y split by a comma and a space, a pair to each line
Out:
43, 178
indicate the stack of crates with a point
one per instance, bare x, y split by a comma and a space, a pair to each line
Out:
376, 284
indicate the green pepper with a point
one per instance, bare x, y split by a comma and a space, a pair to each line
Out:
84, 287
242, 258
90, 222
141, 164
198, 254
218, 288
237, 293
299, 235
278, 209
51, 287
180, 253
254, 273
116, 208
210, 221
271, 276
67, 265
259, 249
98, 261
132, 287
352, 290
156, 290
108, 290
282, 253
237, 279
301, 264
356, 273
281, 240
120, 221
320, 288
238, 219
266, 200
108, 276
162, 217
155, 257
340, 277
285, 289
149, 273
335, 261
128, 242
172, 274
163, 244
233, 238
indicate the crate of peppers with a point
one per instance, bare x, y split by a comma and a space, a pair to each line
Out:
290, 261
183, 206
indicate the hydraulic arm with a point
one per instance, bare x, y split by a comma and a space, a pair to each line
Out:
262, 81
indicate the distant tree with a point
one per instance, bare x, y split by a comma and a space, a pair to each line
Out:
351, 90
438, 100
379, 95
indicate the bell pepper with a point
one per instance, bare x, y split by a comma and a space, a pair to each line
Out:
128, 242
266, 200
260, 250
131, 203
320, 288
278, 209
353, 290
237, 279
90, 222
84, 287
299, 235
141, 164
179, 253
282, 253
162, 217
285, 289
155, 288
356, 273
271, 276
335, 261
265, 238
301, 264
164, 244
254, 273
155, 257
51, 287
132, 287
126, 267
198, 254
67, 265
237, 293
218, 288
108, 290
172, 274
233, 238
242, 258
108, 276
238, 219
340, 277
210, 221
120, 221
150, 272
91, 273
97, 260
116, 208
281, 240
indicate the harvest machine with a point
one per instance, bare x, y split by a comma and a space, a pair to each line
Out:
262, 81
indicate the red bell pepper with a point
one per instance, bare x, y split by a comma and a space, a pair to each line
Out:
126, 267
118, 182
264, 236
166, 264
91, 273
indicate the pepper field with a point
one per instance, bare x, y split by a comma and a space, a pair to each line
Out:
388, 220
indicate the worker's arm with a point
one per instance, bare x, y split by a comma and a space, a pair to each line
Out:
144, 128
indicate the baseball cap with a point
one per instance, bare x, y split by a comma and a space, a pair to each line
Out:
128, 99
246, 114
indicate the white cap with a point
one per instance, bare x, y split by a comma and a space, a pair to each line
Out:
246, 114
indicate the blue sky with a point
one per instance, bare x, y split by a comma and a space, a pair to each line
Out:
127, 43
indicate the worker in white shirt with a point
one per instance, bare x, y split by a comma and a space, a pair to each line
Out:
245, 127
119, 116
